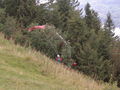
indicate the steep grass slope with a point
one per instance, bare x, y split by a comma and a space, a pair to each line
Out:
25, 69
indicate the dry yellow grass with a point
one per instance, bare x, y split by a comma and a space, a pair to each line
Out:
58, 72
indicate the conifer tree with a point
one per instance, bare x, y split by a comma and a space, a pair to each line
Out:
89, 45
22, 10
1, 4
65, 10
91, 18
116, 61
109, 25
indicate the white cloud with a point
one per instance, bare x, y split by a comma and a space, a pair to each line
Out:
117, 31
43, 1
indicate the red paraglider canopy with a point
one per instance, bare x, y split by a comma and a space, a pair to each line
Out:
36, 27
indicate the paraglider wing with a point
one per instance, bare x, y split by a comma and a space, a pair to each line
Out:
36, 27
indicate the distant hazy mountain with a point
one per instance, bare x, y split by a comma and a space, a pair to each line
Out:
105, 6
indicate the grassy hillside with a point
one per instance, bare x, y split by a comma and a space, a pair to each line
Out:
25, 69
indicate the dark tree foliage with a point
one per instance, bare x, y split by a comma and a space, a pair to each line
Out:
109, 25
23, 10
65, 10
1, 4
91, 18
116, 60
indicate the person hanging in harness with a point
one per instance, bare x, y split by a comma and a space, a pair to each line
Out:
59, 59
74, 65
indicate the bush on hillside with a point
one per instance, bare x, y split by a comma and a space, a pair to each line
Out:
10, 27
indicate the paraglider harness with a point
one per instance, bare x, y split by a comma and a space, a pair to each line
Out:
59, 59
